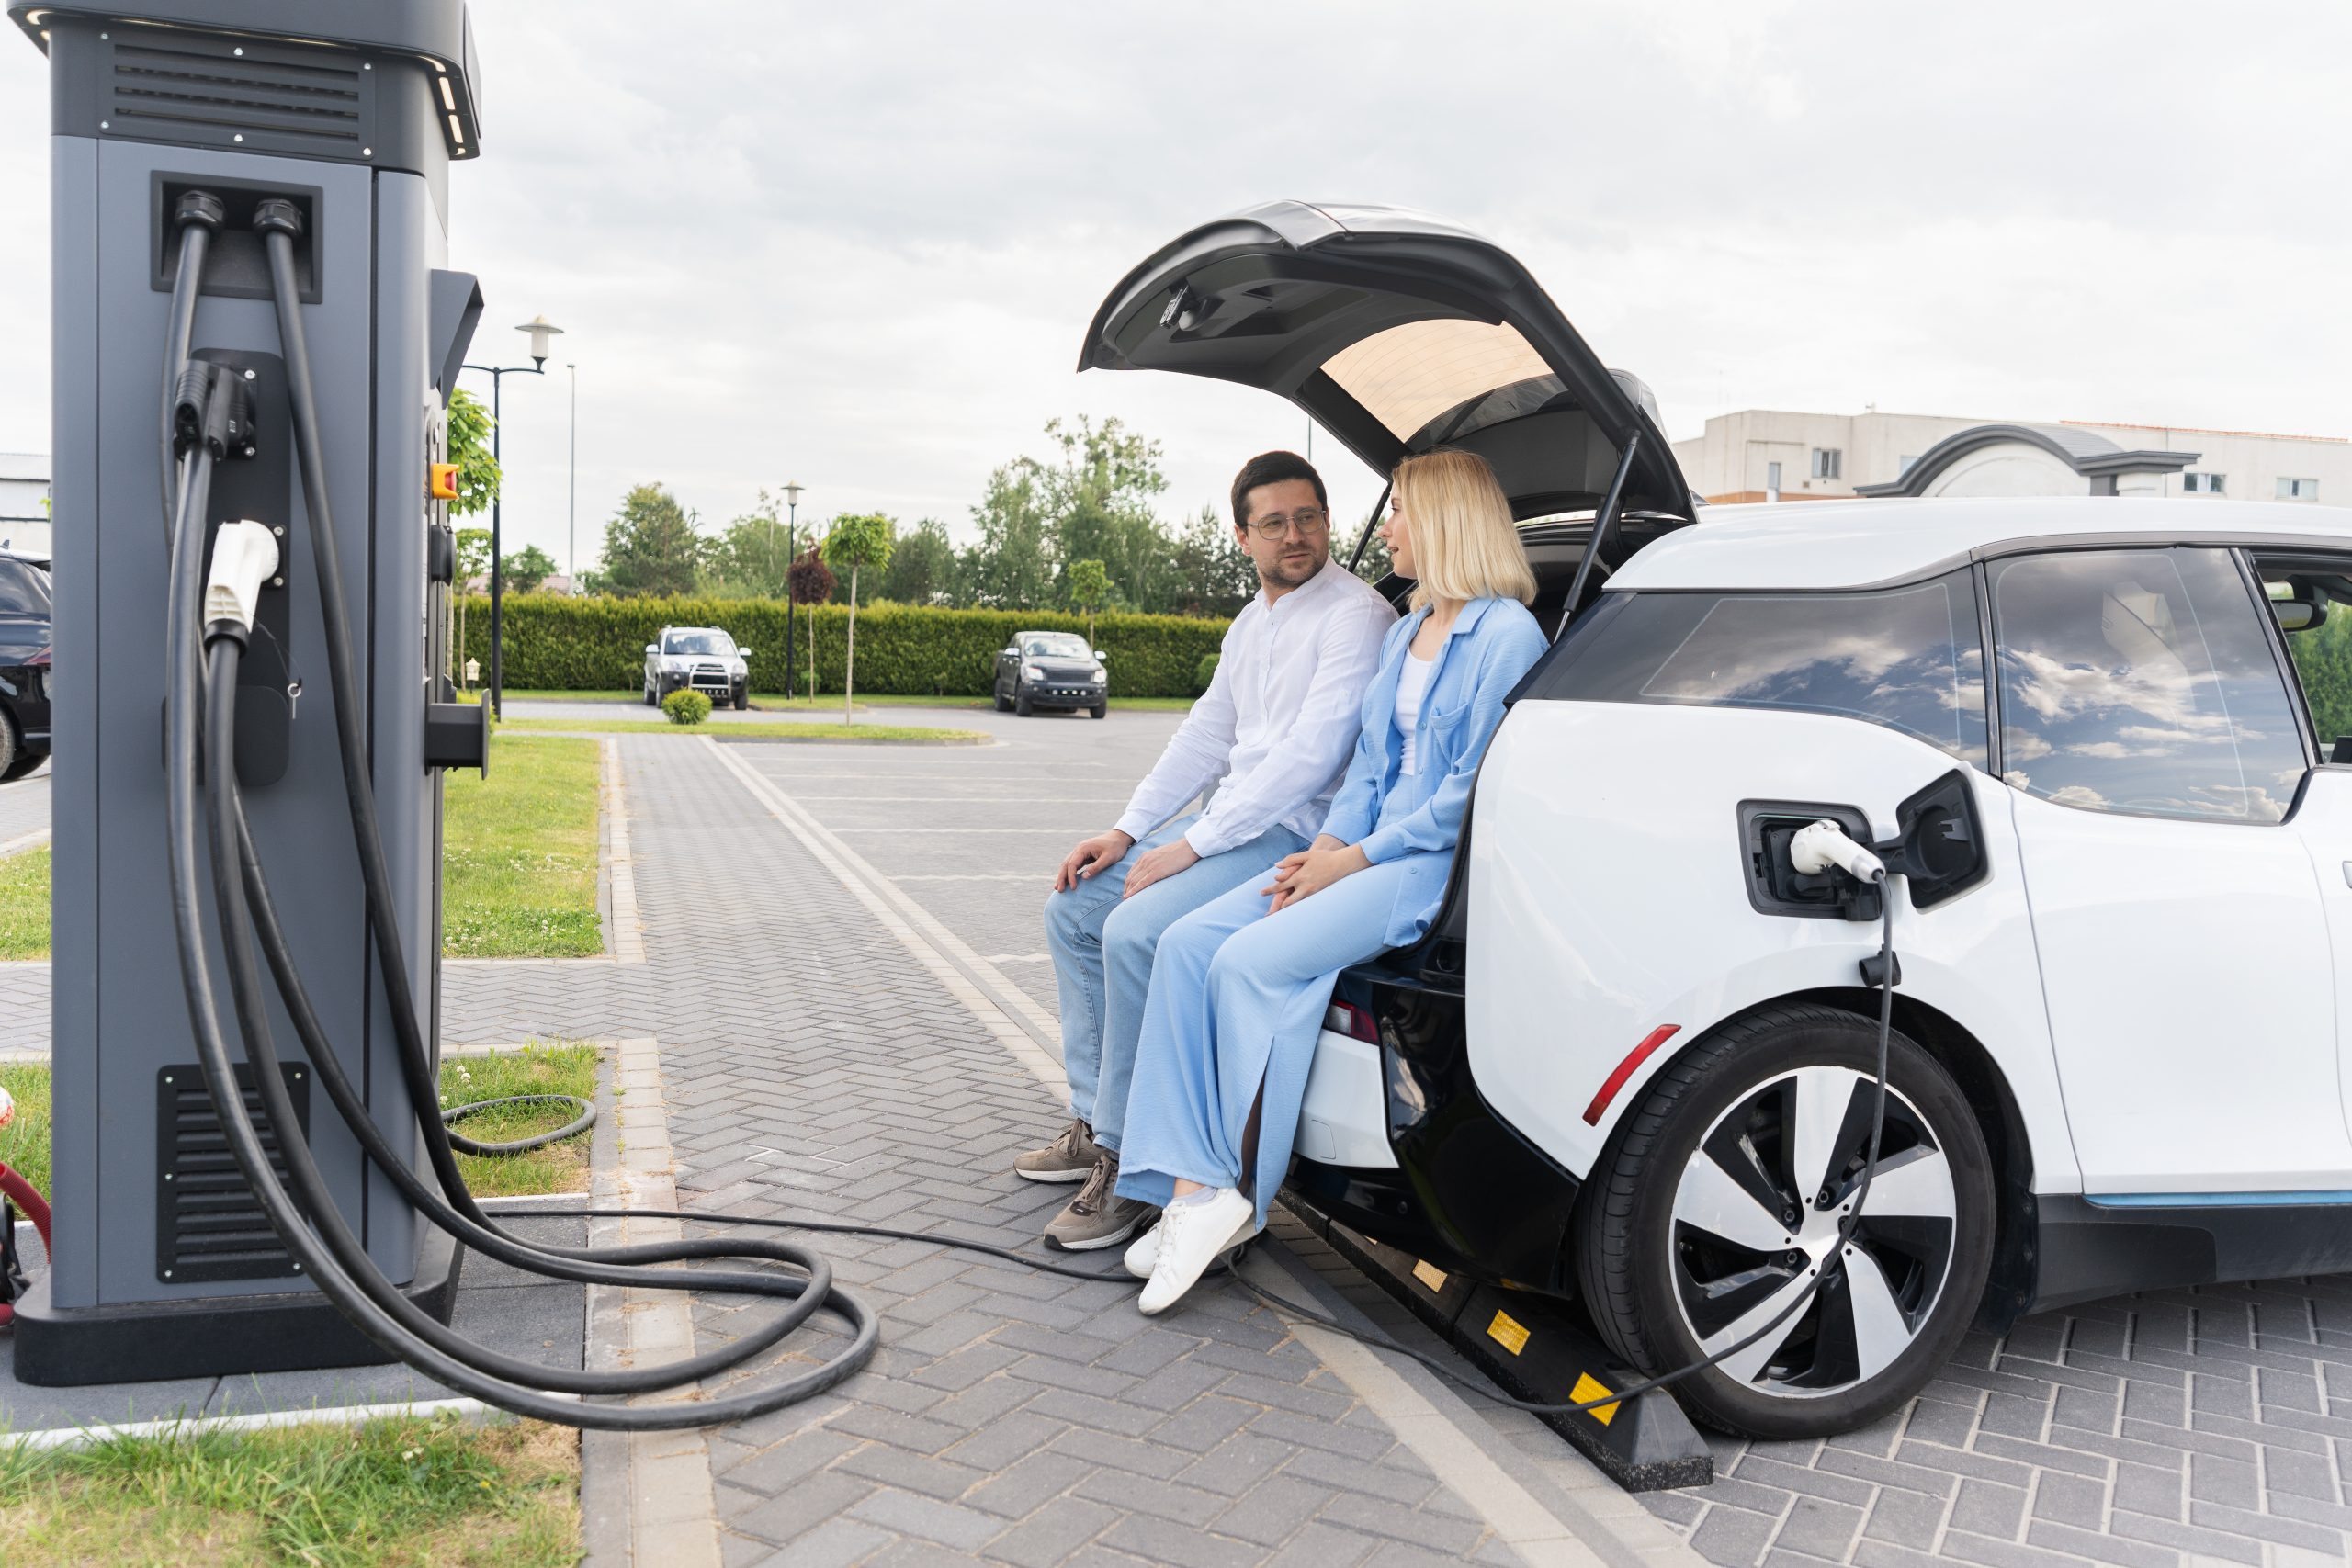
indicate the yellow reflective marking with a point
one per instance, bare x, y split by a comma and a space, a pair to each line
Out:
1511, 1334
1430, 1275
1588, 1387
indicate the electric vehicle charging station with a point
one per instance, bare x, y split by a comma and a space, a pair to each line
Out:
354, 119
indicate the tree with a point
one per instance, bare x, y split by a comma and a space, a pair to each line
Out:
922, 567
524, 572
1007, 570
811, 583
858, 541
1098, 503
1212, 574
750, 559
473, 561
478, 475
1089, 585
650, 546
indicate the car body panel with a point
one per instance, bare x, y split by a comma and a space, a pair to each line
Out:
1860, 544
1396, 332
1608, 897
1342, 1121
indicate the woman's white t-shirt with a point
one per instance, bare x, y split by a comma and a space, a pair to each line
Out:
1412, 683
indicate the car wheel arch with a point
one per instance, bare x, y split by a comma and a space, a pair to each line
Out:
2010, 1288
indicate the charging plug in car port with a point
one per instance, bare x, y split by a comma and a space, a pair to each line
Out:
1774, 884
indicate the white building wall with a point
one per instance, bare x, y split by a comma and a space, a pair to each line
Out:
1728, 461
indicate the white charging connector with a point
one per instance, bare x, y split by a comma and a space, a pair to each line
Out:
244, 556
1816, 848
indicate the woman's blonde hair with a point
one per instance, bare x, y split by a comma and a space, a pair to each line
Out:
1463, 541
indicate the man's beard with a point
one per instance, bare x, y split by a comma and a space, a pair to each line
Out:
1281, 574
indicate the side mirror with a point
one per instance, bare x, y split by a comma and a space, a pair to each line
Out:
742, 653
1010, 651
650, 649
1099, 656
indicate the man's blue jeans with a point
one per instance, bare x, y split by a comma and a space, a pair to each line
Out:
1103, 946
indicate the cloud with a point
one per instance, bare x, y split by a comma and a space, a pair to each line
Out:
857, 246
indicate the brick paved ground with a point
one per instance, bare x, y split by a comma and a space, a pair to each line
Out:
1013, 1418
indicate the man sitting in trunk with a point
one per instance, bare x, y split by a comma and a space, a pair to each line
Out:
1276, 727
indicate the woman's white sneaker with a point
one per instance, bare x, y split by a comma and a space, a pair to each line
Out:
1190, 1236
1144, 1251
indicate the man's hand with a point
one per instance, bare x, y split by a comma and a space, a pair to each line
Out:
1312, 870
1166, 860
1097, 853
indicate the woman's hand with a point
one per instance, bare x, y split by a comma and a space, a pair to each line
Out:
1312, 870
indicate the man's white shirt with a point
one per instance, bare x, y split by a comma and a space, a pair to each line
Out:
1278, 720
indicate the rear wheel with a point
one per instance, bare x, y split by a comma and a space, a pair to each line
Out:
1722, 1199
12, 745
1003, 703
25, 763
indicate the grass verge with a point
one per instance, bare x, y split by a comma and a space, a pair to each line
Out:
24, 1142
24, 904
533, 1069
402, 1491
519, 865
790, 731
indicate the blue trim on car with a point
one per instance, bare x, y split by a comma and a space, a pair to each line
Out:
2216, 1200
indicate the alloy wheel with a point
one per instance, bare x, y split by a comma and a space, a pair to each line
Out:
1758, 1213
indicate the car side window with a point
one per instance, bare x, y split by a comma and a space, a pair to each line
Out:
23, 594
1911, 659
2311, 598
2141, 682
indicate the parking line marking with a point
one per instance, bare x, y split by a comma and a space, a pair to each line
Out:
1020, 1025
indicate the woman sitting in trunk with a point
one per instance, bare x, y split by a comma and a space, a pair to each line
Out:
1240, 987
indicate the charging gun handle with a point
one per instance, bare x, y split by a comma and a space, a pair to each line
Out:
1821, 845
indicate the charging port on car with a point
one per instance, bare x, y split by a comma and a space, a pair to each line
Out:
1776, 888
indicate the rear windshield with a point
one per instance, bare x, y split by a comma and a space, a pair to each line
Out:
1055, 645
23, 590
700, 642
1910, 659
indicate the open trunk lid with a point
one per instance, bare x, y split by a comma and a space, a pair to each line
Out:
1397, 332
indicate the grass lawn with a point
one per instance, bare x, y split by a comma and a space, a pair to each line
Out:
518, 866
788, 732
533, 1069
24, 1142
406, 1490
24, 904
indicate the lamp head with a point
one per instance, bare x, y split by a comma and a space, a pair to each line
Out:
540, 330
792, 493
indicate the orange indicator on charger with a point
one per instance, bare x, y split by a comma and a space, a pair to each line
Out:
441, 481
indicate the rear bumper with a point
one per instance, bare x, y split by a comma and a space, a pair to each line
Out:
1458, 1186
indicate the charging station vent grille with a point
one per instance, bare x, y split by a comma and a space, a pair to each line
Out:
208, 1225
208, 93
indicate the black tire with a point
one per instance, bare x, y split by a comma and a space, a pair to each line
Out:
25, 763
12, 743
1662, 1288
742, 697
1101, 710
1021, 704
651, 701
1003, 703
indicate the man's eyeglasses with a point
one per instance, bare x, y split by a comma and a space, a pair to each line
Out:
1309, 523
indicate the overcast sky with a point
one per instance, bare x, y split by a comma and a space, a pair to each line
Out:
857, 246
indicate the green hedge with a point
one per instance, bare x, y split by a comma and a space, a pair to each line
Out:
558, 644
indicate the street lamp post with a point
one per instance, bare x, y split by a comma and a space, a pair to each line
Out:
572, 496
791, 553
540, 330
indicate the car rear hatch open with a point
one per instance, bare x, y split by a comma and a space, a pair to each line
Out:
1397, 332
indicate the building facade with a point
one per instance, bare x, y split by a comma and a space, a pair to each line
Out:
24, 504
1767, 455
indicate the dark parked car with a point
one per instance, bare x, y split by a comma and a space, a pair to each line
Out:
25, 602
1051, 669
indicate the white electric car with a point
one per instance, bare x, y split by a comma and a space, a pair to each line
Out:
1631, 1063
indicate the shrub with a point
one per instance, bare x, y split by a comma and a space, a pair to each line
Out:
555, 643
685, 706
1206, 673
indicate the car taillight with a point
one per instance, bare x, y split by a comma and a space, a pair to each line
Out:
1352, 1020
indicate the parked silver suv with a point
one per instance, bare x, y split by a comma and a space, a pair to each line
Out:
702, 658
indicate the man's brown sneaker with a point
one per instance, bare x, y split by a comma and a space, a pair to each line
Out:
1071, 1157
1097, 1217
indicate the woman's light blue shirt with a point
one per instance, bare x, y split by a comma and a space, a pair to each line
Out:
1416, 818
